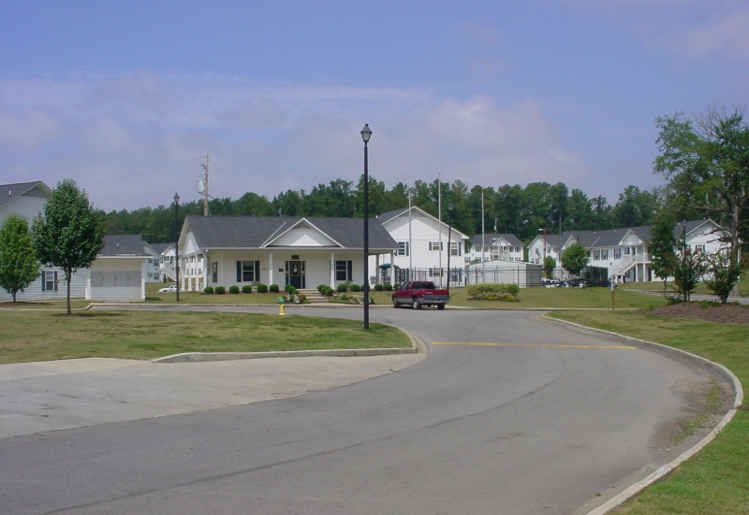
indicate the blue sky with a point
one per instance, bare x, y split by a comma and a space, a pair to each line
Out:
126, 96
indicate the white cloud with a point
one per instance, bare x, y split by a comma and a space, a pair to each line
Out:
132, 141
726, 33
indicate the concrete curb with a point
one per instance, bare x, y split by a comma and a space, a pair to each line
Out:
636, 488
417, 347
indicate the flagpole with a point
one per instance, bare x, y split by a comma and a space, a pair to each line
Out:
439, 218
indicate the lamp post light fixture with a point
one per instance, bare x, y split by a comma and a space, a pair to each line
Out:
366, 133
176, 247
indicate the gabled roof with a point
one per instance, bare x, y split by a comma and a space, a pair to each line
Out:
159, 248
489, 238
390, 215
10, 192
255, 232
123, 245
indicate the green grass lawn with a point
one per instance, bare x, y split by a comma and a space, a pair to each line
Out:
37, 335
715, 480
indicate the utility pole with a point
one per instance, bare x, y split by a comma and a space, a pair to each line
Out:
205, 186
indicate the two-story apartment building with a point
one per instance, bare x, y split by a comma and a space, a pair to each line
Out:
426, 247
495, 247
624, 252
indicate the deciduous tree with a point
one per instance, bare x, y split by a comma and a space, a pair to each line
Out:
575, 258
70, 233
18, 264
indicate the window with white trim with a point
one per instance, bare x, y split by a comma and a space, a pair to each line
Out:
403, 248
248, 271
49, 280
435, 245
344, 270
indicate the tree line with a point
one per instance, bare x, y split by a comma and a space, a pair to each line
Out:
517, 210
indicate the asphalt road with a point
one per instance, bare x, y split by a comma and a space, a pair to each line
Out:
507, 415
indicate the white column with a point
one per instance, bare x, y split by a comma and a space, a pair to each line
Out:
332, 270
270, 268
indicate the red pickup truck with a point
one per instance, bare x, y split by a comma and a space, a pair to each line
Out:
420, 293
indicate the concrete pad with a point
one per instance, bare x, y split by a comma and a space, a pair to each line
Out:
48, 396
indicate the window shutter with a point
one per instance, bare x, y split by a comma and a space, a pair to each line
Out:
239, 271
350, 270
257, 271
44, 280
54, 278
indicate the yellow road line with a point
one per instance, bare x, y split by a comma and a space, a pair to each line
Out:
559, 345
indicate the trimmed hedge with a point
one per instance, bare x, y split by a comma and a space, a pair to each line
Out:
247, 288
220, 290
356, 288
234, 289
262, 288
273, 288
494, 291
342, 288
208, 290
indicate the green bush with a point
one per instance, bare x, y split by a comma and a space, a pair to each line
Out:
262, 288
220, 290
356, 288
321, 287
247, 288
379, 287
388, 287
327, 290
208, 290
342, 288
273, 288
494, 291
234, 289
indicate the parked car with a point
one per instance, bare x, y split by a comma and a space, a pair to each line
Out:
577, 282
419, 294
169, 289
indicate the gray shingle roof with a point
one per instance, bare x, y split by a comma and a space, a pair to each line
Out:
10, 192
212, 232
116, 245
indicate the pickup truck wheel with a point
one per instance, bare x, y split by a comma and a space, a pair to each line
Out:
440, 307
417, 304
396, 304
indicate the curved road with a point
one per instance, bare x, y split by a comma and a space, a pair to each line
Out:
508, 414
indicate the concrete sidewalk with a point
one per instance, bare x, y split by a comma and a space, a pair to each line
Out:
54, 395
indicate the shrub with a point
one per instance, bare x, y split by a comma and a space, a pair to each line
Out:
220, 290
208, 290
379, 287
247, 288
356, 288
388, 287
494, 291
342, 288
234, 289
321, 287
295, 298
262, 288
273, 288
327, 290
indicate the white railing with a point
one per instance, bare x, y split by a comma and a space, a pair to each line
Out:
169, 271
627, 263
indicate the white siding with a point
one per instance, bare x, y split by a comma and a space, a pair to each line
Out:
117, 279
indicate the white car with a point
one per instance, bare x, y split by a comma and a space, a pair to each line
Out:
168, 289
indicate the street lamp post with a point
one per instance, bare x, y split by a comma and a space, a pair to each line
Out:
449, 241
366, 133
176, 247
